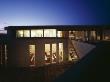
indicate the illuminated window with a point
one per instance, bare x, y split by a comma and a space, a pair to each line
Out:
49, 32
107, 37
26, 33
93, 35
37, 33
98, 38
60, 52
47, 54
72, 34
19, 33
54, 55
32, 55
59, 33
72, 55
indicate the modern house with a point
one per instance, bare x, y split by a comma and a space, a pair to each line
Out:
35, 46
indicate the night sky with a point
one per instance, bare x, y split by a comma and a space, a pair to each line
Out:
54, 12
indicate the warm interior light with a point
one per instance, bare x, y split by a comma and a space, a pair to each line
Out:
59, 33
26, 33
32, 55
47, 54
54, 53
107, 38
19, 33
49, 32
60, 52
37, 33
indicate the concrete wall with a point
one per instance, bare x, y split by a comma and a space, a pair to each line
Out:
82, 48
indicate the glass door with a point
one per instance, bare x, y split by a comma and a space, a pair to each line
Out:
60, 52
54, 55
51, 53
47, 54
32, 55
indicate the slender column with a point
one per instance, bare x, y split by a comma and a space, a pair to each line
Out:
101, 34
88, 35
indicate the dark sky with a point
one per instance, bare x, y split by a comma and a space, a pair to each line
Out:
54, 12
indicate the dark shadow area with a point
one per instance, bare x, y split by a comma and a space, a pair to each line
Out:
34, 74
92, 68
21, 75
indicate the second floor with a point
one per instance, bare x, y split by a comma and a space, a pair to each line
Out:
83, 33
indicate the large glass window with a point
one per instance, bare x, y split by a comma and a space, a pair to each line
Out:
32, 55
26, 33
54, 55
47, 54
72, 54
93, 35
59, 33
19, 33
37, 33
49, 32
60, 52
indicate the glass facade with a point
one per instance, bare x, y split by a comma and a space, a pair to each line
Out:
51, 55
59, 34
47, 54
37, 33
72, 54
60, 52
19, 33
82, 35
54, 55
32, 55
26, 33
49, 32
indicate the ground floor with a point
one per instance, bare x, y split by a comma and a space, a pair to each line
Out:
40, 52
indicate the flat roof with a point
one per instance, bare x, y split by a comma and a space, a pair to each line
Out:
61, 27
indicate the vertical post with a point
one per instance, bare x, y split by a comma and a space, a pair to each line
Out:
96, 34
50, 53
101, 34
3, 55
0, 54
88, 35
57, 53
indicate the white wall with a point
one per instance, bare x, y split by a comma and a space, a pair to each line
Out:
82, 48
